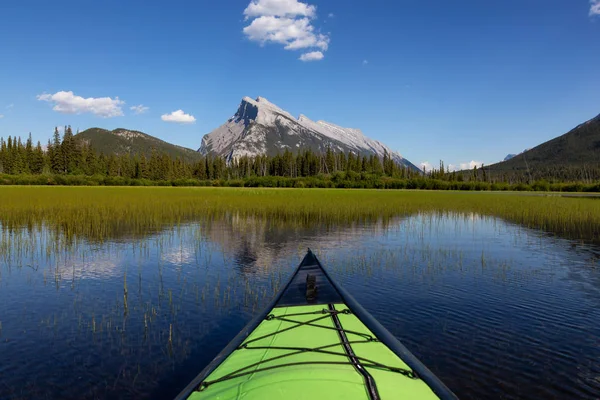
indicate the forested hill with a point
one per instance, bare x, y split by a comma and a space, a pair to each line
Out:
576, 149
123, 141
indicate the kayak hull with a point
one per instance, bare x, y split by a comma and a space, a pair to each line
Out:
314, 341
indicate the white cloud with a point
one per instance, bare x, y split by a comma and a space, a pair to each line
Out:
465, 165
69, 103
293, 33
331, 15
140, 109
312, 56
365, 62
279, 8
426, 166
471, 165
1, 116
594, 7
285, 22
179, 117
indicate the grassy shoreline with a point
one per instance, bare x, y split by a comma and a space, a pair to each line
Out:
348, 180
97, 213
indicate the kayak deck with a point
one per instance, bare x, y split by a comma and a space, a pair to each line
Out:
297, 352
314, 341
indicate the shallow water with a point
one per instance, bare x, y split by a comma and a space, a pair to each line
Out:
495, 310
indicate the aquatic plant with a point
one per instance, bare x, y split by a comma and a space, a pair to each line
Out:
101, 213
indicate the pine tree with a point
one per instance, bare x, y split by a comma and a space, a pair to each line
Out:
102, 164
286, 163
143, 167
364, 165
375, 165
37, 160
350, 163
200, 170
218, 168
329, 161
3, 156
28, 154
9, 161
153, 166
209, 168
341, 161
166, 167
112, 166
92, 163
18, 157
69, 154
57, 161
178, 169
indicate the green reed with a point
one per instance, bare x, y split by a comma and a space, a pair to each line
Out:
101, 213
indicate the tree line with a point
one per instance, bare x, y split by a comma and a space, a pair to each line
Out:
67, 155
68, 160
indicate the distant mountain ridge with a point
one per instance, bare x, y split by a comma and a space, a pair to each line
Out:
510, 156
125, 141
578, 147
260, 127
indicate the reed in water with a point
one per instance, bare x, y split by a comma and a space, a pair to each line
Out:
101, 213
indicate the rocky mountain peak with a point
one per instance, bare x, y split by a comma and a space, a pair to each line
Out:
248, 111
261, 127
263, 100
260, 110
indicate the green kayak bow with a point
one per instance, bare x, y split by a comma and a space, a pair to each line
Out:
314, 341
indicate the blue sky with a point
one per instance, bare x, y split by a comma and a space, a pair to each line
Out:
460, 81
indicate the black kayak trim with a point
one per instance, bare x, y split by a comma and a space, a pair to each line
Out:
369, 382
294, 294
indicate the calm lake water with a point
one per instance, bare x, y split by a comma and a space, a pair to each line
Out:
495, 310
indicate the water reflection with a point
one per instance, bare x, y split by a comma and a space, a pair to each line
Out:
498, 311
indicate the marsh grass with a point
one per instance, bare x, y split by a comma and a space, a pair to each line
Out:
97, 214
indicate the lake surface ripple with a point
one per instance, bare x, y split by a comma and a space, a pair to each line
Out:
494, 309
